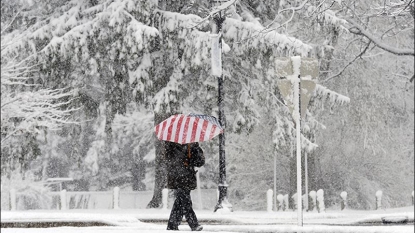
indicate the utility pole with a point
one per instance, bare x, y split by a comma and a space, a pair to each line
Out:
217, 21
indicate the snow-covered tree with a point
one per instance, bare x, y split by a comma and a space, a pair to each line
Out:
27, 108
249, 69
93, 47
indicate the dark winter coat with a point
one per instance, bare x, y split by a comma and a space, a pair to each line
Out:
180, 168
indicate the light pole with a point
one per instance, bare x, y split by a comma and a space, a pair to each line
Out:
218, 17
297, 92
275, 182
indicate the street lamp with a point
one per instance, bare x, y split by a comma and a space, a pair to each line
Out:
297, 74
218, 17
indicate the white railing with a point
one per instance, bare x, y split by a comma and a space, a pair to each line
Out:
117, 199
114, 199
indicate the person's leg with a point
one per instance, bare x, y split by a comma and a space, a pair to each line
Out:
176, 213
188, 211
192, 220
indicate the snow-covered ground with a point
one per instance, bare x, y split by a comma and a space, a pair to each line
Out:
151, 220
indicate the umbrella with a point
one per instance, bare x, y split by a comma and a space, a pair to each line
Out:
189, 128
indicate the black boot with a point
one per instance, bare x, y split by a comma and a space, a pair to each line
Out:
198, 228
172, 228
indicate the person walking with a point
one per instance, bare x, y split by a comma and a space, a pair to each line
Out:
181, 176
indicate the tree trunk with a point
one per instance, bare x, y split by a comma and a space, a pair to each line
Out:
138, 172
161, 172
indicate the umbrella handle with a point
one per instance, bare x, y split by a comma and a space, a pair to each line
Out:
188, 155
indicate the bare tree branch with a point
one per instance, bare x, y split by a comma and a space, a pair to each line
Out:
268, 28
11, 22
359, 30
348, 64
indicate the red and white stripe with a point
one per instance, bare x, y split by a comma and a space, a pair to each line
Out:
187, 129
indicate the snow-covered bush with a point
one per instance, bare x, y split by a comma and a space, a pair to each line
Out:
29, 194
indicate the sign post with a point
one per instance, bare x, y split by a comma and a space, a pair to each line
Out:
297, 85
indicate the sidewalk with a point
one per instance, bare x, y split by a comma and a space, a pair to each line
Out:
155, 220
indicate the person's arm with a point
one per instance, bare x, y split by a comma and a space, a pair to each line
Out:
197, 159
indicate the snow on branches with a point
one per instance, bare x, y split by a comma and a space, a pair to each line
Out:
29, 112
248, 35
334, 97
25, 106
184, 51
97, 26
177, 33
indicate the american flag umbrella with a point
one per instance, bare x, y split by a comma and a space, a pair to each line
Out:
189, 128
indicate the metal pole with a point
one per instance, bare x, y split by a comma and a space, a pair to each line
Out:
298, 137
275, 181
222, 186
306, 181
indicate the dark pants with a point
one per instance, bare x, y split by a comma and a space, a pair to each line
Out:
182, 207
